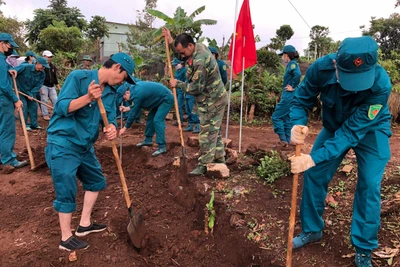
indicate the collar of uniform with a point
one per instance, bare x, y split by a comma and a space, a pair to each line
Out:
333, 80
2, 55
33, 68
198, 47
95, 76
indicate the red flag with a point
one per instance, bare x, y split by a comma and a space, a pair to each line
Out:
245, 45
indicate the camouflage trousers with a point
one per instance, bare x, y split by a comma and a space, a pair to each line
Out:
210, 138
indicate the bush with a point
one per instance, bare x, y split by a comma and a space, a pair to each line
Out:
273, 167
269, 60
392, 68
394, 105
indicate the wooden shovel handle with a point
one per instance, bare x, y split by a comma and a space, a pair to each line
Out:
115, 152
22, 118
174, 93
34, 99
292, 213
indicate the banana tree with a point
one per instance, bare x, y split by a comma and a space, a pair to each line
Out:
222, 50
181, 22
262, 89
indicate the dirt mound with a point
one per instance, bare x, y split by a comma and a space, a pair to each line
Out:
251, 215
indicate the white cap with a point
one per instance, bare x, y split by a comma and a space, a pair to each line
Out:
47, 53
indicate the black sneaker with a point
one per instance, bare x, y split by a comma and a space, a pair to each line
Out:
92, 228
72, 244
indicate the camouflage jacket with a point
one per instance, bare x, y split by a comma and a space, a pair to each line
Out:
203, 78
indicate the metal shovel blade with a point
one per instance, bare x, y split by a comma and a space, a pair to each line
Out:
136, 229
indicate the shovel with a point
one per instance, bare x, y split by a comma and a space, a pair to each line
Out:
21, 116
120, 138
292, 213
183, 161
136, 227
34, 99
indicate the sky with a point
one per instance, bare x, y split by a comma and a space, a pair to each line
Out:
343, 17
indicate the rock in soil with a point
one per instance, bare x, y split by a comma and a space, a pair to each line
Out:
7, 169
193, 141
217, 170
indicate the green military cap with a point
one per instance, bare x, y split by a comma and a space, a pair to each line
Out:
287, 49
126, 63
43, 61
213, 50
87, 57
8, 38
30, 53
356, 60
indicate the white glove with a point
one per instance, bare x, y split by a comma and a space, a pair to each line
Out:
301, 163
298, 134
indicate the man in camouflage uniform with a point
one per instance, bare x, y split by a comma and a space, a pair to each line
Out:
205, 84
87, 61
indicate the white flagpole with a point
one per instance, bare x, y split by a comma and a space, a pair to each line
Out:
241, 99
230, 79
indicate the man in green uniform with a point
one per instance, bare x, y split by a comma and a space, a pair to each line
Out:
156, 98
73, 129
87, 61
205, 84
280, 117
221, 64
8, 101
29, 81
354, 91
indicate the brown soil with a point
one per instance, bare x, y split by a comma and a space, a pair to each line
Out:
251, 216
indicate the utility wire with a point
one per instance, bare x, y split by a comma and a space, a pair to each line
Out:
307, 37
300, 15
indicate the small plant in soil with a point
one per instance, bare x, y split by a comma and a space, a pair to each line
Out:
273, 167
209, 215
256, 231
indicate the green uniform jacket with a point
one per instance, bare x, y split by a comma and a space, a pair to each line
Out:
6, 83
79, 130
222, 70
350, 115
146, 95
28, 79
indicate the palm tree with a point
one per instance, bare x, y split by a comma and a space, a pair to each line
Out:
181, 23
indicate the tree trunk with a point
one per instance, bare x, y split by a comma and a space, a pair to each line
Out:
98, 54
251, 113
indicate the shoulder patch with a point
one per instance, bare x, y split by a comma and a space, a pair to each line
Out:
373, 111
224, 67
195, 76
293, 66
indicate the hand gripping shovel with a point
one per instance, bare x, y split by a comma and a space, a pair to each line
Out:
136, 227
183, 160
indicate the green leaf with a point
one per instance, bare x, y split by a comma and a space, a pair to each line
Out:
205, 22
211, 221
160, 15
197, 12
